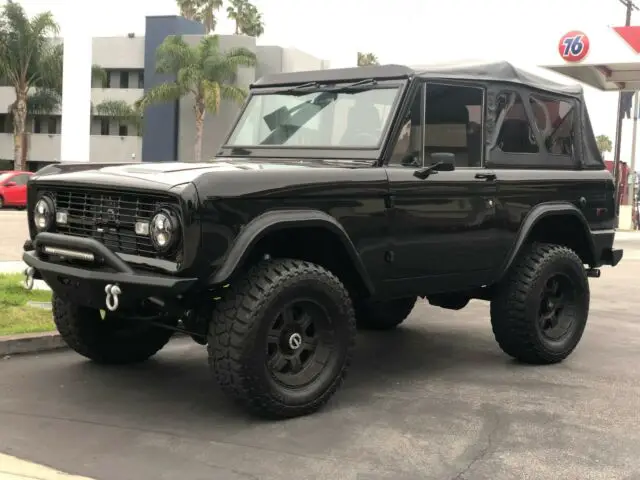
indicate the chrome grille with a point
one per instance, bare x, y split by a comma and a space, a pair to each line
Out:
110, 217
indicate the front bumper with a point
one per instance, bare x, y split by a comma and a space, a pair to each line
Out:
84, 282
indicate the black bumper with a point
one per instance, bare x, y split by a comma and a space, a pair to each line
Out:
85, 284
603, 248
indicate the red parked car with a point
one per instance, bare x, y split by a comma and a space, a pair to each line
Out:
13, 188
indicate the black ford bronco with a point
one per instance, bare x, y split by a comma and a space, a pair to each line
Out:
339, 198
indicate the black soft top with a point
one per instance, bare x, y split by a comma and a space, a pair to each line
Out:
485, 71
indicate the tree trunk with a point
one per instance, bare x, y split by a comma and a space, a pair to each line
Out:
19, 127
197, 149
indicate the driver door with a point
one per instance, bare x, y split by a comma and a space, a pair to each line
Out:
443, 227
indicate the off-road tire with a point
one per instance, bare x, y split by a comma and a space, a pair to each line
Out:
238, 336
1, 203
515, 307
384, 315
87, 333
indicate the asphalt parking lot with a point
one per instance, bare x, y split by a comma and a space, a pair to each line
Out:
435, 399
13, 233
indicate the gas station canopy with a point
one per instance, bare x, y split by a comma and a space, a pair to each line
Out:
606, 58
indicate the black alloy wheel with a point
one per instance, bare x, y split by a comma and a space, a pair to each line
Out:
557, 308
299, 343
281, 340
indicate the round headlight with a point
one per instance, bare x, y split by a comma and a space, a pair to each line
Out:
43, 214
164, 230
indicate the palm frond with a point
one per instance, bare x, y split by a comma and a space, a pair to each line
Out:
165, 92
224, 67
99, 74
173, 54
44, 102
119, 110
234, 93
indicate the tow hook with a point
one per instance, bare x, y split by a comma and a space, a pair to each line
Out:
112, 301
29, 278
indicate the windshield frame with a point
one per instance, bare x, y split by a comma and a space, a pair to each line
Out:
330, 151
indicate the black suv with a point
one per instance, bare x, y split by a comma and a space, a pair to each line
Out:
338, 199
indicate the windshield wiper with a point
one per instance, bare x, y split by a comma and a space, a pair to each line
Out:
354, 87
304, 86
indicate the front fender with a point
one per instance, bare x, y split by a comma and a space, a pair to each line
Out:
535, 216
269, 222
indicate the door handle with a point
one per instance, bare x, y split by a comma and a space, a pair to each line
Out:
489, 177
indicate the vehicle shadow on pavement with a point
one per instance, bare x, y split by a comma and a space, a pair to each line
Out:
177, 382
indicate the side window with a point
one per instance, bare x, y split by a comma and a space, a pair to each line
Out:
407, 149
453, 127
20, 179
515, 134
554, 119
454, 119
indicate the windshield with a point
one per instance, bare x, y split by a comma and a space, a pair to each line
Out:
4, 177
331, 118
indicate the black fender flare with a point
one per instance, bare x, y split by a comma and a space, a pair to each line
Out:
538, 213
274, 220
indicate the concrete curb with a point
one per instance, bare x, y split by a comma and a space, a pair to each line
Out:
31, 343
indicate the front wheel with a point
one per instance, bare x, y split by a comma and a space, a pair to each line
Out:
281, 341
113, 339
540, 312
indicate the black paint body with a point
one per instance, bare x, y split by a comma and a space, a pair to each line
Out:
453, 231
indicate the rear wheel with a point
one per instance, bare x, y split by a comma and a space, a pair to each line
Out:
282, 340
384, 315
1, 203
540, 312
111, 340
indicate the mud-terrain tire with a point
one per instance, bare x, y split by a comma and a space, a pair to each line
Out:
251, 350
540, 311
112, 340
384, 315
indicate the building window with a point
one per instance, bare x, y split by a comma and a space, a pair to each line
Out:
123, 130
104, 126
37, 125
124, 79
141, 79
6, 123
52, 125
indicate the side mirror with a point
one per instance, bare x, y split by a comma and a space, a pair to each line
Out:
10, 184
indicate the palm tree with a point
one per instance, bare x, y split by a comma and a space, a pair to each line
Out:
188, 8
202, 71
122, 111
252, 23
203, 11
28, 61
247, 18
234, 12
604, 144
206, 14
365, 59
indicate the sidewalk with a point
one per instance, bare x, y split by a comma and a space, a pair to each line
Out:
12, 468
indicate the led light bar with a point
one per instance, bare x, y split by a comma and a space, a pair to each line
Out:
63, 252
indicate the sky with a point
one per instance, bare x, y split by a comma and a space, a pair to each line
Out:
412, 32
